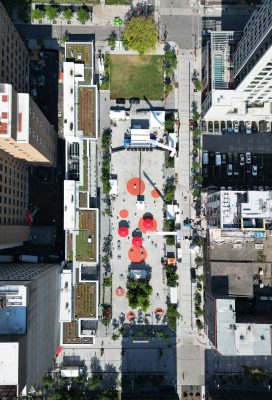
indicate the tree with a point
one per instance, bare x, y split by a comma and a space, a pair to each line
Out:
138, 292
172, 315
51, 12
141, 34
172, 276
195, 166
199, 261
170, 59
198, 85
169, 194
68, 14
82, 15
170, 240
169, 122
36, 13
196, 116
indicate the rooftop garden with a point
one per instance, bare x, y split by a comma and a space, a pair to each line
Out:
69, 246
87, 111
83, 200
85, 300
81, 52
86, 238
70, 334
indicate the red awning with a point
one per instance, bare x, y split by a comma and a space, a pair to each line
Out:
123, 231
137, 241
58, 351
148, 223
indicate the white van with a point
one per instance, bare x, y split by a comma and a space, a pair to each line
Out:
218, 160
205, 157
179, 254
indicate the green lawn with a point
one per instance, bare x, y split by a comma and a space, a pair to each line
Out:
114, 2
135, 76
83, 248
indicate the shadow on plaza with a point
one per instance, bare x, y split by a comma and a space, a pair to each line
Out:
148, 368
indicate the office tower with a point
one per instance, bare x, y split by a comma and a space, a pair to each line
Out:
29, 324
14, 65
237, 71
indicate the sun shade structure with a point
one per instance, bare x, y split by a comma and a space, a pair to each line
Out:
137, 241
123, 231
148, 223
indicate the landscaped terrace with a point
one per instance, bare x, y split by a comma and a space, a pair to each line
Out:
87, 111
85, 300
81, 52
86, 238
70, 334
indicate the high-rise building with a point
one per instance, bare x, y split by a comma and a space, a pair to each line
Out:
29, 324
25, 133
14, 65
237, 71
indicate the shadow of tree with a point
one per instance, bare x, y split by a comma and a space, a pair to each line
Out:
110, 378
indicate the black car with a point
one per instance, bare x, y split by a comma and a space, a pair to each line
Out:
230, 158
120, 101
223, 159
193, 274
134, 100
254, 159
235, 158
211, 157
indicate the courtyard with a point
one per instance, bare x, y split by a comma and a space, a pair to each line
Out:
135, 76
136, 253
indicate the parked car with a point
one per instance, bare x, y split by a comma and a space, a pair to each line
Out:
236, 127
229, 169
230, 158
216, 126
248, 158
263, 126
193, 274
242, 127
120, 101
248, 168
248, 128
242, 159
203, 126
236, 170
229, 127
205, 157
261, 188
235, 158
210, 126
134, 100
254, 127
218, 159
267, 188
254, 170
205, 172
212, 157
224, 158
254, 159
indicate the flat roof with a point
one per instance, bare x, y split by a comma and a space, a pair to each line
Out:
66, 296
87, 235
239, 338
9, 365
70, 334
234, 279
69, 204
80, 52
87, 110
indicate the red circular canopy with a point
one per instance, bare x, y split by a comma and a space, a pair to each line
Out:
123, 231
148, 223
137, 241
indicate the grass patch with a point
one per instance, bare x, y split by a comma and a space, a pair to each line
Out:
79, 52
84, 250
85, 300
117, 2
135, 76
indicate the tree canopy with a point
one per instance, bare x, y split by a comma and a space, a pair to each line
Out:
82, 15
68, 14
141, 34
36, 13
51, 12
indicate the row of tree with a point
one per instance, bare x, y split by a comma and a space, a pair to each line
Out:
53, 13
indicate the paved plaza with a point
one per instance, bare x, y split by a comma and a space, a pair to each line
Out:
149, 166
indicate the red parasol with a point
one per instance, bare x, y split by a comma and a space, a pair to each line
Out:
137, 241
148, 223
58, 351
123, 231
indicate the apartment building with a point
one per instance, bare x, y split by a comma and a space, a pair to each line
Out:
25, 133
29, 325
237, 70
14, 65
79, 281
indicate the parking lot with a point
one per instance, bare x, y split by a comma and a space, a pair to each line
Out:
256, 175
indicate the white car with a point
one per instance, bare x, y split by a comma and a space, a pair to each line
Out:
254, 170
236, 127
248, 128
248, 158
229, 169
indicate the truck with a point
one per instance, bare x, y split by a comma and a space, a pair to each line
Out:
31, 258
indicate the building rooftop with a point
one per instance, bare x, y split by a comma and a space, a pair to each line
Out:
239, 338
81, 52
66, 296
71, 334
87, 113
9, 366
85, 299
86, 237
235, 279
69, 204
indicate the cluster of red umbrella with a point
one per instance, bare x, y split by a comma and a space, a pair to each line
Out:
137, 241
123, 231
